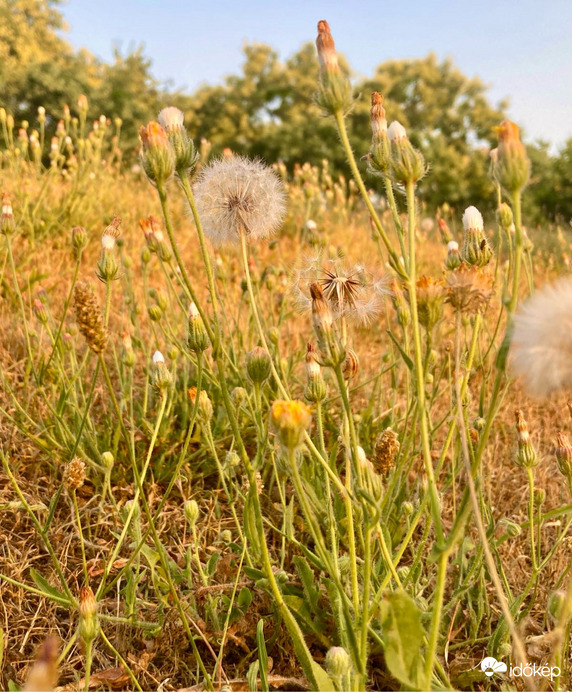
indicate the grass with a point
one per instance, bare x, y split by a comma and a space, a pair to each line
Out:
226, 539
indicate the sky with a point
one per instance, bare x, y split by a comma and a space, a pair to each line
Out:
522, 49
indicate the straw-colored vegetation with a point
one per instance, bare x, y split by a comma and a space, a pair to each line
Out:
258, 427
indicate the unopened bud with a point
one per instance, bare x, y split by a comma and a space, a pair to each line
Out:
192, 512
338, 662
453, 255
157, 155
476, 250
88, 623
526, 454
197, 338
335, 92
162, 377
186, 157
258, 365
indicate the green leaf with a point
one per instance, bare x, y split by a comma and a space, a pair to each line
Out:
307, 577
244, 598
403, 637
47, 589
262, 657
210, 567
252, 676
406, 359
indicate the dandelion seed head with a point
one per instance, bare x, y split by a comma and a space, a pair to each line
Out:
541, 346
237, 195
353, 291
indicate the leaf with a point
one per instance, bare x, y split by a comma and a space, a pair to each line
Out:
403, 637
47, 589
244, 598
307, 577
210, 567
262, 657
406, 359
252, 676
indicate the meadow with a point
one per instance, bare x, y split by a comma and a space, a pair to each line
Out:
261, 429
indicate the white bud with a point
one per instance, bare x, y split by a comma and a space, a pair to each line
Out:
158, 358
396, 132
171, 118
452, 246
107, 242
473, 219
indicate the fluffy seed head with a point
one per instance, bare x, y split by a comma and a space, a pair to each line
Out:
237, 195
541, 345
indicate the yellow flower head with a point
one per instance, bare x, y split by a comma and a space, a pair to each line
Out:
290, 419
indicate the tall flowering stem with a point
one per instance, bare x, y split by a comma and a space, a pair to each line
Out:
393, 258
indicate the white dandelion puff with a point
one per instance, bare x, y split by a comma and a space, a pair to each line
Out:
237, 195
352, 292
541, 345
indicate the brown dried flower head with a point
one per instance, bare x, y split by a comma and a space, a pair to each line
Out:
469, 289
74, 474
386, 449
88, 316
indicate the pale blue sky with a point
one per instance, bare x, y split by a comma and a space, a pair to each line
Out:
521, 48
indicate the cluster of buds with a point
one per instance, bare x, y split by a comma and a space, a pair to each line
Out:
335, 91
108, 266
379, 155
323, 322
316, 387
155, 238
186, 157
406, 163
258, 365
162, 376
290, 420
197, 338
526, 455
510, 165
475, 251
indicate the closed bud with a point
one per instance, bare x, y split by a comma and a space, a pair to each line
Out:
258, 365
564, 456
379, 156
157, 155
88, 623
186, 157
512, 528
430, 297
400, 305
127, 353
350, 366
406, 164
476, 250
239, 395
479, 424
316, 388
161, 377
205, 407
512, 169
335, 91
79, 238
338, 662
556, 605
539, 496
192, 512
7, 224
453, 255
526, 454
155, 313
107, 460
504, 216
197, 338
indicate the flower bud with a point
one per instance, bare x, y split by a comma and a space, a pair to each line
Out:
107, 460
400, 305
161, 377
316, 388
88, 623
555, 606
379, 156
406, 164
526, 454
512, 169
430, 296
504, 216
476, 250
453, 255
512, 528
186, 157
350, 366
239, 395
564, 456
7, 224
335, 91
338, 663
79, 238
205, 409
157, 155
290, 420
197, 338
258, 365
192, 512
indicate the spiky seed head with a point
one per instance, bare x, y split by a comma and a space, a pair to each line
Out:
88, 316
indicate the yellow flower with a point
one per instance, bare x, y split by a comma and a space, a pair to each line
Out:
290, 419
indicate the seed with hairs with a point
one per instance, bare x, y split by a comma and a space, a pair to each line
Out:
89, 319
